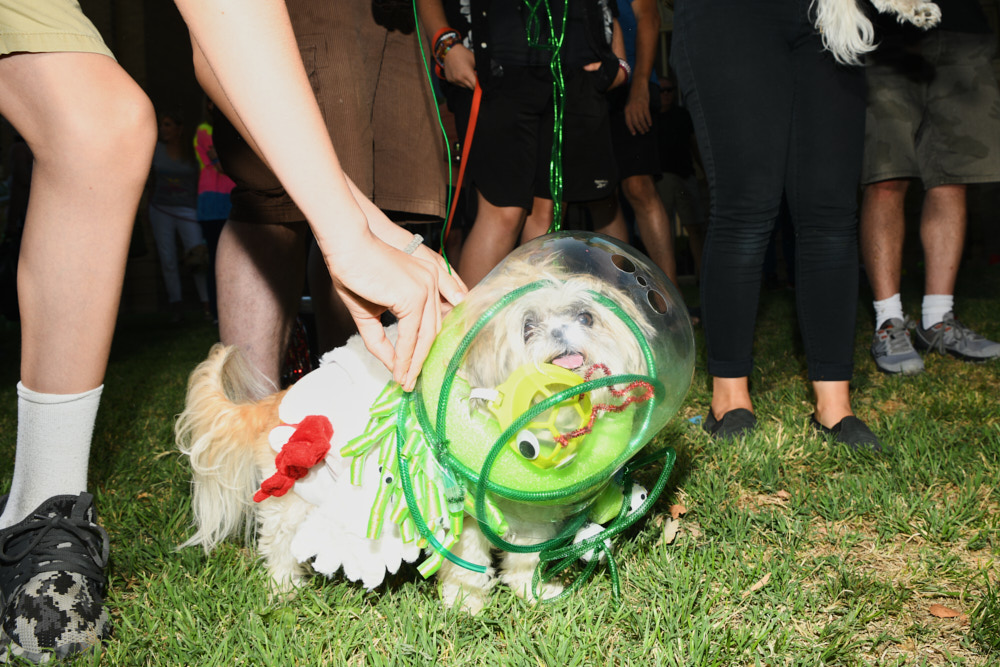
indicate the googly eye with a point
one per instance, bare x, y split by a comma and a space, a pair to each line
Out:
638, 497
527, 445
637, 502
387, 479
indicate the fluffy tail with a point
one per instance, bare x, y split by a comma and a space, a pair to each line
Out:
224, 418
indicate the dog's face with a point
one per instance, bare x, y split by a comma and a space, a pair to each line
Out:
561, 323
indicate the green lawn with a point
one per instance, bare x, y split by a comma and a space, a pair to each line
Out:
792, 551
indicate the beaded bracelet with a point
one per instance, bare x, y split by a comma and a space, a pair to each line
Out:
625, 67
443, 41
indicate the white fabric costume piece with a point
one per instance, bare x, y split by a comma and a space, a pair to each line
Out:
342, 389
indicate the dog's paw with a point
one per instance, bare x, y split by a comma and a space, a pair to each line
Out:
456, 596
925, 15
521, 587
285, 586
919, 13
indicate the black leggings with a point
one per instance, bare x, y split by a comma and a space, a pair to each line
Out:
773, 114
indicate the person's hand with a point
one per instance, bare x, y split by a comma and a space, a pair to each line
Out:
460, 66
617, 79
372, 277
399, 238
388, 231
638, 119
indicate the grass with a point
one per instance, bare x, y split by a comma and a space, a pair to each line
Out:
792, 551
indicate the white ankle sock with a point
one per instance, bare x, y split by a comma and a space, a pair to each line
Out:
53, 448
935, 307
888, 309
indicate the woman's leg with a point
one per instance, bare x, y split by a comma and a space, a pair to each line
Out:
743, 146
824, 171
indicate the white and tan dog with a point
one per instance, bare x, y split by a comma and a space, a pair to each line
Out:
230, 429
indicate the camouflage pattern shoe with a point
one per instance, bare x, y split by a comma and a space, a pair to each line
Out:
52, 581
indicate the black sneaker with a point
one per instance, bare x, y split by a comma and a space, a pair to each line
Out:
52, 581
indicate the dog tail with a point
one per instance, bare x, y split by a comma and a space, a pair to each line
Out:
225, 415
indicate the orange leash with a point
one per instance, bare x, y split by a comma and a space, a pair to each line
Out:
477, 94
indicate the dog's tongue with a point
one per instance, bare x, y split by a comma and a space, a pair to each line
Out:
569, 361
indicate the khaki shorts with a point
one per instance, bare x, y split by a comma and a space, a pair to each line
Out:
47, 26
933, 111
379, 110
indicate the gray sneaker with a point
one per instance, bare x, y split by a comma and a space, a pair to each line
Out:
950, 336
893, 350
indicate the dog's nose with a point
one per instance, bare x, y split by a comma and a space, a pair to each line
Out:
559, 334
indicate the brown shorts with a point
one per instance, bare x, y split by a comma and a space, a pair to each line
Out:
378, 106
47, 26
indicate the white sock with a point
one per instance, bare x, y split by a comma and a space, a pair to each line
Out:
53, 448
935, 307
887, 309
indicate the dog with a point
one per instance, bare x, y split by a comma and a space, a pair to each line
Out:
847, 31
231, 428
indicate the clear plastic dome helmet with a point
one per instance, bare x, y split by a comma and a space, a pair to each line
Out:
557, 369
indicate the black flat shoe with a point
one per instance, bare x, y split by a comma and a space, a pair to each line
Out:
852, 432
734, 424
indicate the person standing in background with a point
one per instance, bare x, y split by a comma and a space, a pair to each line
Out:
798, 130
213, 197
933, 115
173, 212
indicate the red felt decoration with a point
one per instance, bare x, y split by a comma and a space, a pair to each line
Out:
306, 447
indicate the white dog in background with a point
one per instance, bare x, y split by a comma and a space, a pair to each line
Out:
848, 33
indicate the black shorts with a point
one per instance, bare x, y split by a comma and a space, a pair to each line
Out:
509, 162
635, 154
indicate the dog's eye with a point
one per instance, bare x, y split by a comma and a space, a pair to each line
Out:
585, 319
529, 327
527, 444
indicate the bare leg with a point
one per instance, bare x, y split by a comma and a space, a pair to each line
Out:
651, 219
696, 237
882, 231
92, 131
833, 402
614, 227
730, 394
260, 271
942, 233
539, 220
494, 234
